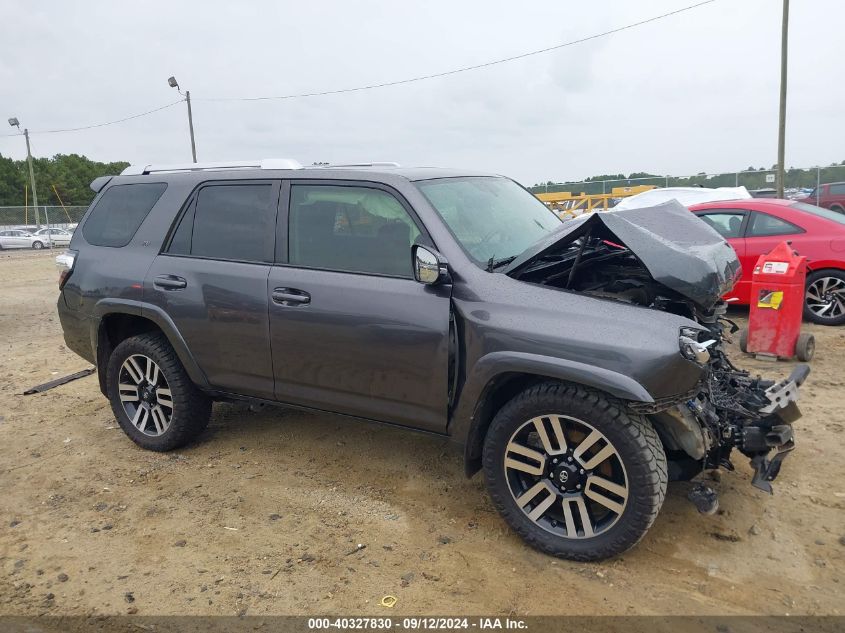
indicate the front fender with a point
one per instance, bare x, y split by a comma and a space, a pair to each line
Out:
614, 383
483, 376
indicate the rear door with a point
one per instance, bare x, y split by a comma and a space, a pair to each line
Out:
763, 232
730, 224
8, 239
351, 329
211, 279
16, 239
836, 197
59, 237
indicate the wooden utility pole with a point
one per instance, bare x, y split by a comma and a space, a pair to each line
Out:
784, 38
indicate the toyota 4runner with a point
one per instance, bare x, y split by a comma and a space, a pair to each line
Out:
580, 365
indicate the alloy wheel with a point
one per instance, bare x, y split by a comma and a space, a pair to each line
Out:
826, 297
145, 395
566, 476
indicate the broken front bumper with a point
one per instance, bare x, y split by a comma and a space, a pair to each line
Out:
770, 439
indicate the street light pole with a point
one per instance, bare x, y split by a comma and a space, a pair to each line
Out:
171, 81
32, 179
784, 38
191, 125
15, 123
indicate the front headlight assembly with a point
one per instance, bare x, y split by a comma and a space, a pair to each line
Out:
691, 348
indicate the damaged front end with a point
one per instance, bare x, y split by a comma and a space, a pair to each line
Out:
664, 258
734, 409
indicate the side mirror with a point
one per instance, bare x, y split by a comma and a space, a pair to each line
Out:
430, 267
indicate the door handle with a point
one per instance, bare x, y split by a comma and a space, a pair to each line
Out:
170, 282
290, 297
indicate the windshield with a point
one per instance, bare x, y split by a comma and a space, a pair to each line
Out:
819, 211
492, 218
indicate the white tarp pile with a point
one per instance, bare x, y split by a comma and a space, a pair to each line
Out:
687, 196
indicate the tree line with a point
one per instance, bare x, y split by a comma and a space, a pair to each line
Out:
70, 173
750, 178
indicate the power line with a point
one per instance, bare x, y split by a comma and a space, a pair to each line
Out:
465, 68
388, 83
96, 125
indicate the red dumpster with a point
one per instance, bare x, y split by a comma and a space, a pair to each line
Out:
777, 302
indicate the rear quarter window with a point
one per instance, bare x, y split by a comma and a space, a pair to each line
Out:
118, 214
821, 212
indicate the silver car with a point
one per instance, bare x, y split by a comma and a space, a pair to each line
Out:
58, 237
18, 238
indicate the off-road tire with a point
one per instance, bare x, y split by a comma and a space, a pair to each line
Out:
635, 441
191, 407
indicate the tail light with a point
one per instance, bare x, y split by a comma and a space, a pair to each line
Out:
65, 263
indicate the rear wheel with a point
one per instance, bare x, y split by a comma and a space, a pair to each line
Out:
824, 300
573, 473
151, 395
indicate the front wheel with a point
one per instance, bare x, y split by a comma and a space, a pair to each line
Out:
37, 246
824, 300
151, 395
573, 473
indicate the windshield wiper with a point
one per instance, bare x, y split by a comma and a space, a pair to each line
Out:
493, 263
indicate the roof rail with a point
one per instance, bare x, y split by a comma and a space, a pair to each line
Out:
374, 164
266, 163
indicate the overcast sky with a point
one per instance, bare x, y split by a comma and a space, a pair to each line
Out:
694, 92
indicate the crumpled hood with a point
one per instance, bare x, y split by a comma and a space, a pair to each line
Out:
678, 249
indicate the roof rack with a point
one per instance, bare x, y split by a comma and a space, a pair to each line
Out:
266, 163
374, 164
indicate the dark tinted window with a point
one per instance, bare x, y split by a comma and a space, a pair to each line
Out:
763, 224
180, 243
234, 222
353, 229
119, 213
837, 190
727, 223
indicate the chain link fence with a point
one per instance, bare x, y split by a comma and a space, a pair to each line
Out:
32, 218
798, 182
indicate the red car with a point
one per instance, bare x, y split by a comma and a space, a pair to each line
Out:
754, 227
830, 196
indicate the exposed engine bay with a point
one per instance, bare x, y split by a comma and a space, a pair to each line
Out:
664, 258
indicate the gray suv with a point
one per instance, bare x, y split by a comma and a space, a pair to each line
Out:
580, 365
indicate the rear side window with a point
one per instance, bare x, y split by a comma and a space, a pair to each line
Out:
837, 190
727, 223
234, 222
827, 214
764, 225
119, 213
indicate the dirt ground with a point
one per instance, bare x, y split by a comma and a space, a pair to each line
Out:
265, 514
